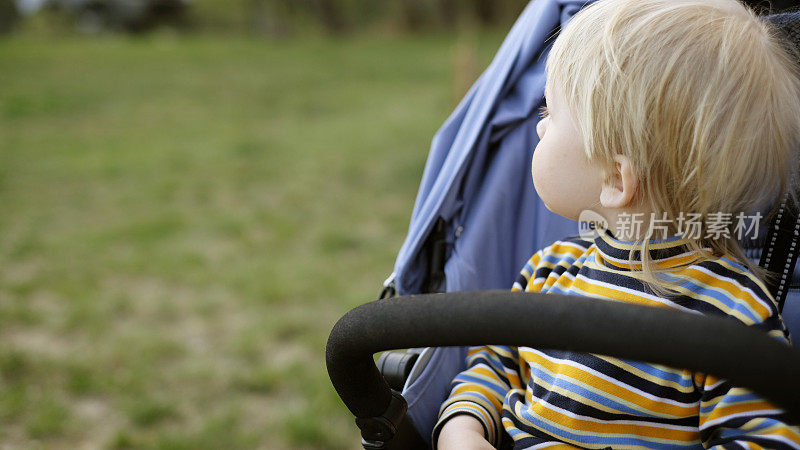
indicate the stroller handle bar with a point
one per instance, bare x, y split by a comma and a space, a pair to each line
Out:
714, 345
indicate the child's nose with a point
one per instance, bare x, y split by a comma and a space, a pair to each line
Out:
541, 127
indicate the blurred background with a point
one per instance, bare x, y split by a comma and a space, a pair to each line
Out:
192, 193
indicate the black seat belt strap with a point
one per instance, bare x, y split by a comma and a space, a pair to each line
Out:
781, 249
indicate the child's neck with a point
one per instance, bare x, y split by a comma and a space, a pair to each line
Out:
633, 224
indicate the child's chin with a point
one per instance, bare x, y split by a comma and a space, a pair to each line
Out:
571, 215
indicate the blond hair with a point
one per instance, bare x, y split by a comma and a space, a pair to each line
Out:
701, 95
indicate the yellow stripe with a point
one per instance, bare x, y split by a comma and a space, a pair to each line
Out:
583, 400
672, 262
777, 429
491, 352
791, 434
503, 352
465, 391
747, 274
472, 351
685, 374
563, 419
714, 302
489, 375
655, 246
729, 289
508, 424
601, 264
534, 261
607, 388
605, 428
723, 410
561, 248
588, 287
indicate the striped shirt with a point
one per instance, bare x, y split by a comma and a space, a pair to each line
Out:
559, 399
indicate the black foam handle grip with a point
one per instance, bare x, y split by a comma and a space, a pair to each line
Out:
714, 345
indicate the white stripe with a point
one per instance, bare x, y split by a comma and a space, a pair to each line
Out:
641, 294
537, 280
582, 434
715, 385
779, 438
543, 445
566, 274
737, 284
496, 382
639, 262
561, 256
737, 266
617, 422
571, 244
756, 413
605, 377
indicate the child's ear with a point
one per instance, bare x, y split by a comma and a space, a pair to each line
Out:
619, 189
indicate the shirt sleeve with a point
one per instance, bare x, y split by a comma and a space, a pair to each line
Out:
492, 371
480, 390
732, 417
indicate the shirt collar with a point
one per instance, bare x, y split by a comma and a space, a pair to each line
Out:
664, 253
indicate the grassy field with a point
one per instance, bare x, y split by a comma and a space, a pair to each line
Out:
183, 220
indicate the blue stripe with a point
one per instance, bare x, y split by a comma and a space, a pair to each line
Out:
556, 260
466, 378
731, 399
732, 432
602, 439
563, 382
662, 374
731, 302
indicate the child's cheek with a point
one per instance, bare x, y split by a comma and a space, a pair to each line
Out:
541, 127
541, 170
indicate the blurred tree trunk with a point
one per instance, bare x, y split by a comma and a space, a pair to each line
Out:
283, 17
265, 17
8, 15
487, 11
497, 12
413, 14
331, 15
448, 13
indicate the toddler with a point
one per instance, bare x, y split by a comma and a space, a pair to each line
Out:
669, 121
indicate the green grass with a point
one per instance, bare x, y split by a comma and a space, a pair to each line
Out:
184, 219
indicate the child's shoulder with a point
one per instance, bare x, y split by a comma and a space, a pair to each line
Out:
569, 249
722, 285
573, 244
556, 258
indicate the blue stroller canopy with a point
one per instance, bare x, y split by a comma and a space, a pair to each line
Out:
477, 180
472, 178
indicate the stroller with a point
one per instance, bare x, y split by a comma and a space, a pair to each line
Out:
476, 221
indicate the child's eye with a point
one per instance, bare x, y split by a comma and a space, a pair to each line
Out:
543, 112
